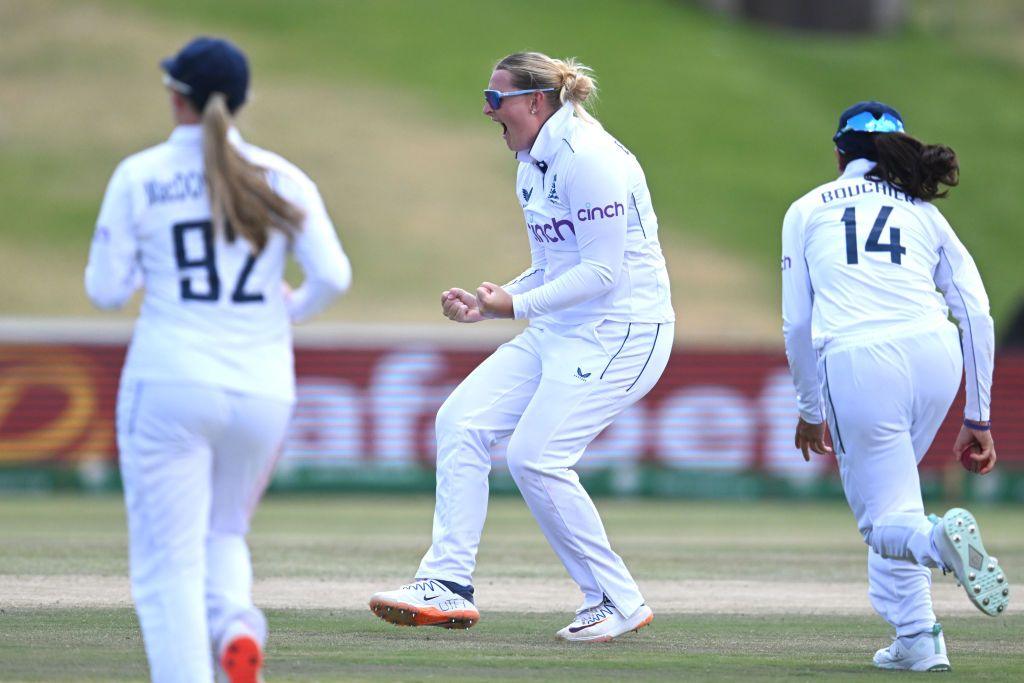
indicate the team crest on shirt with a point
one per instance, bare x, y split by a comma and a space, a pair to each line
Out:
553, 193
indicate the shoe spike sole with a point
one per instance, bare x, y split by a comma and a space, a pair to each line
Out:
242, 660
981, 576
402, 614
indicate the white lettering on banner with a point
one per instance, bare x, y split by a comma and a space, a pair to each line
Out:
780, 411
399, 400
706, 427
326, 425
696, 427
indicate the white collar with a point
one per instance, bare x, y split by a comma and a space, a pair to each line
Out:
551, 134
192, 133
857, 168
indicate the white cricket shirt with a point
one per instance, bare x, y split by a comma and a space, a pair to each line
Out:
212, 312
592, 230
861, 261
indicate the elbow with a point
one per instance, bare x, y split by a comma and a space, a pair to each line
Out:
106, 301
342, 280
103, 296
110, 288
794, 330
605, 276
338, 281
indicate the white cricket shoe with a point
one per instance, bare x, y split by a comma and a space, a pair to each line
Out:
958, 540
603, 623
424, 602
923, 652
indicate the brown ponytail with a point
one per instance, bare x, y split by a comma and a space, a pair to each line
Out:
914, 167
241, 199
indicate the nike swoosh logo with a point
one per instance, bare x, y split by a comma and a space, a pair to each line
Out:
431, 597
580, 628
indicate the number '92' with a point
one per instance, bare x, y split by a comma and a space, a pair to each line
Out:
207, 261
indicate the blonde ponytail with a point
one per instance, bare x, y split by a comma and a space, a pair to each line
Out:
241, 200
572, 80
578, 85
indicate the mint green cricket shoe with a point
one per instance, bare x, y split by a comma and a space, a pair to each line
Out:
958, 540
924, 651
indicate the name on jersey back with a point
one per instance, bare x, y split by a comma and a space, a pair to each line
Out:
182, 186
866, 187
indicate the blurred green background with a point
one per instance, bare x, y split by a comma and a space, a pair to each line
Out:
379, 101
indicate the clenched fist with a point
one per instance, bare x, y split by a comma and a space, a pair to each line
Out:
460, 306
494, 302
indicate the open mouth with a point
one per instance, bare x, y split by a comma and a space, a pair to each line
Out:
504, 130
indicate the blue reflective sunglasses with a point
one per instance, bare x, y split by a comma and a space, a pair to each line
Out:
494, 97
865, 122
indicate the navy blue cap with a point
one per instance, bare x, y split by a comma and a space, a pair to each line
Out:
209, 65
858, 122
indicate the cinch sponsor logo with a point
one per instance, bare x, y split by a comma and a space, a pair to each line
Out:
551, 232
609, 211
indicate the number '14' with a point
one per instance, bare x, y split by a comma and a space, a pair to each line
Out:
895, 249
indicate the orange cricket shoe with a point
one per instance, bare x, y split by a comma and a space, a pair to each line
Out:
424, 602
241, 659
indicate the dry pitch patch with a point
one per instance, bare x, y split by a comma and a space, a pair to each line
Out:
332, 552
754, 598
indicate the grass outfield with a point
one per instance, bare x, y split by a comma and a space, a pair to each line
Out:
317, 558
380, 102
316, 645
732, 122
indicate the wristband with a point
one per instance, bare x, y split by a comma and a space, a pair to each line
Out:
977, 426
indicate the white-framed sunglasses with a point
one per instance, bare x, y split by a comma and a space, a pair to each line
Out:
494, 97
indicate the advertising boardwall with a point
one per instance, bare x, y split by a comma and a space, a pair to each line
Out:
370, 408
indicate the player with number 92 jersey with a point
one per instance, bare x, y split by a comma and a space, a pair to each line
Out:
214, 311
204, 222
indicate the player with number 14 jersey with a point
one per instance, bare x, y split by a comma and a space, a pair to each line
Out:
871, 272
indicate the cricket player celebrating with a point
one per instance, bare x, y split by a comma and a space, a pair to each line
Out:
873, 355
601, 327
204, 222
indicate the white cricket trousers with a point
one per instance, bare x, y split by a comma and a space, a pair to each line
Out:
551, 393
195, 460
885, 402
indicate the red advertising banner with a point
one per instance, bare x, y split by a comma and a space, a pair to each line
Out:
373, 406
